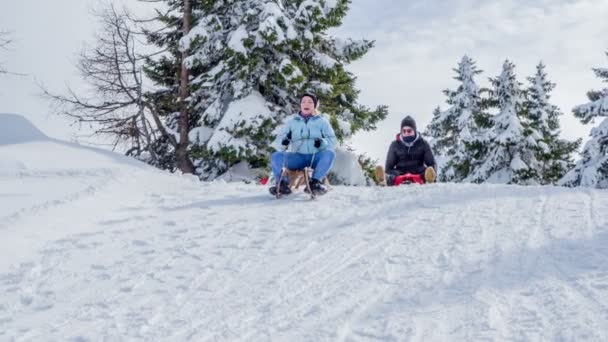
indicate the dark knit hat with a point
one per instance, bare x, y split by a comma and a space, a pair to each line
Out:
312, 96
410, 122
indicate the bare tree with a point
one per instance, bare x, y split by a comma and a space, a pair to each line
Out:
118, 105
4, 42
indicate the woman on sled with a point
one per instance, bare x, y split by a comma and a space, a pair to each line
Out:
312, 141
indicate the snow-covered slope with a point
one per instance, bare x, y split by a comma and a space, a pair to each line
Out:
96, 247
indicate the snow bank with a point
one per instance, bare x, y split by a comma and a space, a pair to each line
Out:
15, 129
25, 147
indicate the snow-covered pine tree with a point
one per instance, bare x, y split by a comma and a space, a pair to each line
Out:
434, 135
275, 50
457, 134
553, 154
510, 157
592, 169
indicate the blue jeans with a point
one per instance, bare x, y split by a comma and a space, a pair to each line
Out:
322, 163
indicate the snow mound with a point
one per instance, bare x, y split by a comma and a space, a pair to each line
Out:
15, 129
24, 147
347, 169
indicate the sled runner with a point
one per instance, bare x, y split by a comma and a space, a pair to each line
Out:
297, 179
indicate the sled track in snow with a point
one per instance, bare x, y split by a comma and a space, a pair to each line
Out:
92, 182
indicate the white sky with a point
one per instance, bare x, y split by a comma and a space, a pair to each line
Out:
418, 42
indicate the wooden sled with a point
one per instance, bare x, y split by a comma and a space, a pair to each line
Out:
297, 178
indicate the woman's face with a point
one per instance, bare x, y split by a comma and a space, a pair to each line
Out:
307, 106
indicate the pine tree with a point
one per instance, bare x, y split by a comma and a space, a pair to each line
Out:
510, 156
553, 154
168, 72
457, 134
247, 87
592, 169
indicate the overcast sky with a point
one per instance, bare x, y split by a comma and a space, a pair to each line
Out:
418, 42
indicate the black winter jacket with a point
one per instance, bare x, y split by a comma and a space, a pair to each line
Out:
402, 159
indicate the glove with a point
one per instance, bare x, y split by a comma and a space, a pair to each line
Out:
317, 143
286, 140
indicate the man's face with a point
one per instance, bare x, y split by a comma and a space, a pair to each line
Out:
408, 131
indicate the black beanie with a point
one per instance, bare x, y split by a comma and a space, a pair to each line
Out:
312, 96
410, 122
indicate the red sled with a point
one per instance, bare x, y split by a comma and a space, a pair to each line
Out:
408, 178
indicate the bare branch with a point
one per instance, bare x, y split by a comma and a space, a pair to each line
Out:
4, 43
4, 39
112, 70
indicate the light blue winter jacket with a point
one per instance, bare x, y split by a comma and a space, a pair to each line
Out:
304, 132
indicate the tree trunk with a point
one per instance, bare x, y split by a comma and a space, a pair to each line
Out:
183, 161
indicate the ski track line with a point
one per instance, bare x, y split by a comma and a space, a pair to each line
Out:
88, 191
420, 218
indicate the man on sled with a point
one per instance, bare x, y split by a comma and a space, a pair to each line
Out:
312, 141
409, 159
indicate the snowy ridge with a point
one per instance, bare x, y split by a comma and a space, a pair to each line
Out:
109, 251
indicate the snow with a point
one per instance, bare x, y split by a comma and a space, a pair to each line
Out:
324, 61
16, 129
271, 13
197, 32
98, 247
242, 172
322, 87
595, 108
347, 168
249, 111
200, 134
518, 164
295, 71
236, 40
213, 112
216, 69
291, 33
345, 127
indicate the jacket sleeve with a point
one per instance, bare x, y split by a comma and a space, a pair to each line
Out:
429, 159
391, 158
284, 132
329, 136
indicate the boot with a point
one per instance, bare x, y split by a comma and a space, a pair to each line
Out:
316, 187
379, 176
429, 175
283, 189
